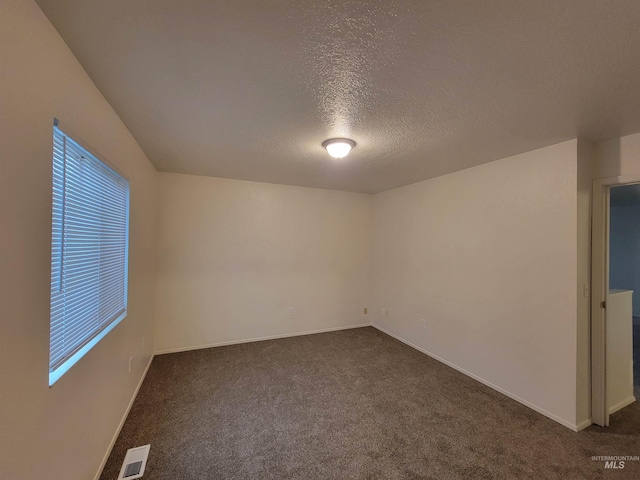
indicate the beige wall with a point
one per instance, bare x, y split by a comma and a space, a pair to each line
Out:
583, 373
233, 256
487, 256
616, 157
61, 432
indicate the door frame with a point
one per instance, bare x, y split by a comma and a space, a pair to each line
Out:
599, 291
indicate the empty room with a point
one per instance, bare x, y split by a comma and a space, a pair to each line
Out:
305, 239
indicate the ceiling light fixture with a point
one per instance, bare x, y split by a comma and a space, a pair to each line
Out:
338, 147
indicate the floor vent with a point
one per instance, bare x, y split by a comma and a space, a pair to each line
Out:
134, 463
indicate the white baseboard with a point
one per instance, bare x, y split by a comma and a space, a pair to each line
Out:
518, 399
124, 418
583, 424
259, 339
620, 405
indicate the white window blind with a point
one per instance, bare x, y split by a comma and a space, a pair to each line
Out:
89, 251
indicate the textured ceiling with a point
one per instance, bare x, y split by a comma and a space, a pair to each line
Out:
250, 89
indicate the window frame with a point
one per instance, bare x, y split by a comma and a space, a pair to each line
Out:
87, 345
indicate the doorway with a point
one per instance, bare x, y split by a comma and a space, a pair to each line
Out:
624, 276
615, 296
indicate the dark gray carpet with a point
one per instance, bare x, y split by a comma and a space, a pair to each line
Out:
354, 404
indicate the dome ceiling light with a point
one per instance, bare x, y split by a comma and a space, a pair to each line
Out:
338, 147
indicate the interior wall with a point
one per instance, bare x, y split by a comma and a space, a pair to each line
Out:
583, 294
234, 256
487, 257
617, 157
63, 431
624, 251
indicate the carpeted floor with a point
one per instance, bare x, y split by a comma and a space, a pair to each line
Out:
353, 404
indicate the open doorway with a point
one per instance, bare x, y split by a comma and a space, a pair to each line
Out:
624, 279
614, 242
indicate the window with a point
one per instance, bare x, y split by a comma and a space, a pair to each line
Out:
90, 223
